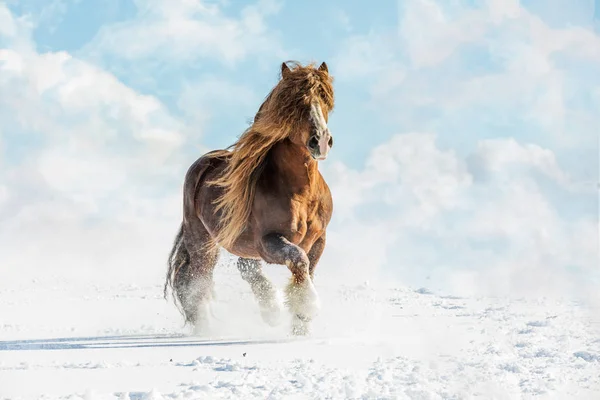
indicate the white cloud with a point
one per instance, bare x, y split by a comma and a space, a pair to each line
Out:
498, 154
7, 23
433, 176
343, 19
86, 176
430, 37
432, 34
493, 69
364, 56
74, 88
93, 184
100, 190
3, 195
199, 99
409, 172
527, 245
182, 31
43, 13
87, 187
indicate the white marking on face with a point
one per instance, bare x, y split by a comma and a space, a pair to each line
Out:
322, 134
316, 115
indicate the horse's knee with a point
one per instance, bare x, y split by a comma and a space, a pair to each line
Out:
276, 249
299, 268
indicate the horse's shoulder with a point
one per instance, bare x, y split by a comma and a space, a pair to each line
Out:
325, 192
325, 200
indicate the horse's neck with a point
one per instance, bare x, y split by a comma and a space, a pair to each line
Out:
294, 165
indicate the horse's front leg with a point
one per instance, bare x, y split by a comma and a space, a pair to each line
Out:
314, 255
301, 297
302, 325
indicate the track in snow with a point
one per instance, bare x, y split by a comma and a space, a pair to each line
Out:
140, 341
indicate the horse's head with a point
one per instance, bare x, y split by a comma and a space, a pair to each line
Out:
314, 91
301, 103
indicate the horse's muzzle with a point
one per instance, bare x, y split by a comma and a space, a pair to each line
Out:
319, 145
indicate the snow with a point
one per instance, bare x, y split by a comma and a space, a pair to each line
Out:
67, 338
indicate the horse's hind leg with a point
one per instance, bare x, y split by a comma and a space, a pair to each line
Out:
194, 281
264, 291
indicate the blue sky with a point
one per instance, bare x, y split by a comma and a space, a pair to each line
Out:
466, 131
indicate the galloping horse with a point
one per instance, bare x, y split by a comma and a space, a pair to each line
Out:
263, 198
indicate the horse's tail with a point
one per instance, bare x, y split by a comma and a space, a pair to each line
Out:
178, 261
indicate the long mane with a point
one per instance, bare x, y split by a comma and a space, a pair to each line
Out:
283, 113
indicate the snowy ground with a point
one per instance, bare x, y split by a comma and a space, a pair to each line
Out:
68, 340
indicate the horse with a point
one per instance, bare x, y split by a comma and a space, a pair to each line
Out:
262, 199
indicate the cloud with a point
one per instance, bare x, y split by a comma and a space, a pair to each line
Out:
466, 188
7, 24
421, 211
95, 109
3, 195
491, 66
182, 31
208, 95
46, 13
89, 169
91, 178
433, 31
494, 191
500, 154
430, 36
362, 56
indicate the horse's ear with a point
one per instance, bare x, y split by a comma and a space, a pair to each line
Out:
285, 70
323, 67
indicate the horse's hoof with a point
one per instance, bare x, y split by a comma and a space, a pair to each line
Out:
300, 326
303, 318
271, 318
271, 305
303, 299
200, 329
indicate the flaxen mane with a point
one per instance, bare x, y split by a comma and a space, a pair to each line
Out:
282, 115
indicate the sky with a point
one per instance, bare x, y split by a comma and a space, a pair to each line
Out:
466, 133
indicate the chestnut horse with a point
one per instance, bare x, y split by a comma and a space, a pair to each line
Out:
262, 199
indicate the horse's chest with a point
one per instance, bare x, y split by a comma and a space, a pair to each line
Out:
305, 221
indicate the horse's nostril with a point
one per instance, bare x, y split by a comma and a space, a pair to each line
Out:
313, 143
330, 142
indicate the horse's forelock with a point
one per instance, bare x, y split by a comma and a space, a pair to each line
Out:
290, 99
